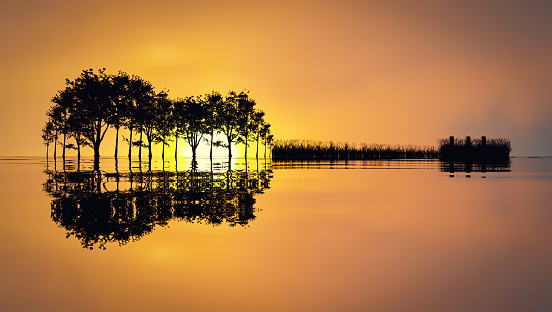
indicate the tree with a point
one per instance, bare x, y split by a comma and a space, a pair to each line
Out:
194, 126
48, 135
59, 113
178, 121
164, 122
228, 120
149, 113
213, 104
93, 106
268, 138
122, 100
143, 95
245, 110
257, 126
76, 126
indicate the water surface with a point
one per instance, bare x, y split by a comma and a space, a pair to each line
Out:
356, 236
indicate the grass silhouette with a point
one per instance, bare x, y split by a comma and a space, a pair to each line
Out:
308, 149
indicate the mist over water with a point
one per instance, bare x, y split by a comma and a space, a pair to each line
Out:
379, 235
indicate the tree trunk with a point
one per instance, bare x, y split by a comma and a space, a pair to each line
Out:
229, 148
96, 156
116, 142
55, 154
246, 149
78, 155
140, 148
211, 150
149, 152
149, 149
47, 148
163, 151
78, 151
55, 147
63, 154
176, 147
130, 146
257, 152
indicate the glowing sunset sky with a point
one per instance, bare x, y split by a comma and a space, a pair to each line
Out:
398, 72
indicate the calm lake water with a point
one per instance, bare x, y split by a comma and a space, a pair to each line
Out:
341, 236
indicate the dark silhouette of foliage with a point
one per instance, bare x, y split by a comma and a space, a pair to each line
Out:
479, 150
94, 102
305, 150
213, 104
245, 111
228, 122
48, 135
86, 210
194, 126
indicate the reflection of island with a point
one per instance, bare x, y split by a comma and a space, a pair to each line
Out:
452, 167
98, 208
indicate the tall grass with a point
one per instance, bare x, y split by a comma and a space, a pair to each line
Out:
308, 149
476, 150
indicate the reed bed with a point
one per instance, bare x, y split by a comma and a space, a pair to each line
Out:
477, 150
329, 150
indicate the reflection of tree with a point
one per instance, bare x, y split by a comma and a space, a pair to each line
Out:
85, 207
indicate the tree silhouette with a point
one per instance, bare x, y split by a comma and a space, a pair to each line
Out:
245, 111
164, 121
122, 102
257, 127
48, 134
228, 120
213, 104
143, 116
94, 102
194, 127
97, 217
264, 132
59, 114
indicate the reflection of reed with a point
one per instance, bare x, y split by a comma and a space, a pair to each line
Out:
85, 207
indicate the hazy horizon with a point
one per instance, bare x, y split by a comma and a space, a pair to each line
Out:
356, 71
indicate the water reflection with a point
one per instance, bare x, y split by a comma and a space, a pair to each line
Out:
443, 166
452, 167
99, 208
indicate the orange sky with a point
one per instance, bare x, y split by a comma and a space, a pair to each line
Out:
399, 72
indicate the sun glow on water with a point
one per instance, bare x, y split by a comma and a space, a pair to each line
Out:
204, 148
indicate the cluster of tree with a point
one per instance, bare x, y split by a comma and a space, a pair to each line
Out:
95, 216
95, 101
482, 150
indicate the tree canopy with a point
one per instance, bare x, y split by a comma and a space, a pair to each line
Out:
94, 102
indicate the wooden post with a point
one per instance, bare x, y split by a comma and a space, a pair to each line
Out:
468, 141
451, 140
483, 140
